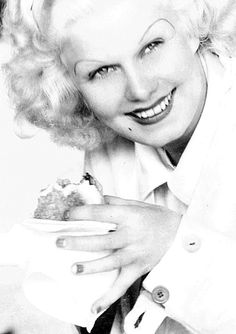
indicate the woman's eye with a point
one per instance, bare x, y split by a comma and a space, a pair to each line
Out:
102, 72
152, 47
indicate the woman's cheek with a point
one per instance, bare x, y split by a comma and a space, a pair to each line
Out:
105, 101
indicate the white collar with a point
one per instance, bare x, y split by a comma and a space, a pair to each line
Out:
152, 169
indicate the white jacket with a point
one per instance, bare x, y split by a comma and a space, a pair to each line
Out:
199, 270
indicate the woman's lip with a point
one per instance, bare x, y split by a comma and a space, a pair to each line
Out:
150, 107
156, 118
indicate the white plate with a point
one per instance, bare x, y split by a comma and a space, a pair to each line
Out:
46, 225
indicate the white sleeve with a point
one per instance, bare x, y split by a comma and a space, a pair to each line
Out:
198, 272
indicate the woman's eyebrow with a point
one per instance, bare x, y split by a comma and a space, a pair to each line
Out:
152, 24
95, 61
88, 61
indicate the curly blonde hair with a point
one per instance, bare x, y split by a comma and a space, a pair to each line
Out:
213, 22
42, 89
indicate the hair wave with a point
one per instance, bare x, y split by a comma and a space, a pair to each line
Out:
213, 22
43, 91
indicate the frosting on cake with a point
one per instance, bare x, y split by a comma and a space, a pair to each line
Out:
57, 199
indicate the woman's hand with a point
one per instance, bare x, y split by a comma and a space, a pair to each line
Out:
143, 235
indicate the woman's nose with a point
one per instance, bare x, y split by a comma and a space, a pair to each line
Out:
139, 87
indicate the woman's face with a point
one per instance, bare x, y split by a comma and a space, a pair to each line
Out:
137, 71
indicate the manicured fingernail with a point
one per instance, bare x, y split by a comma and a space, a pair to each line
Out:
98, 310
77, 268
67, 215
61, 243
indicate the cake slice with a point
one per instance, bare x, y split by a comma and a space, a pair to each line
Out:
57, 199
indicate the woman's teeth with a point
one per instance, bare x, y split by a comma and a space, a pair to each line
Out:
157, 110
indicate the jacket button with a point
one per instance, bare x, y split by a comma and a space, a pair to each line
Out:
192, 243
160, 295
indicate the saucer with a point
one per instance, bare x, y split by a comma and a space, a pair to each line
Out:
46, 225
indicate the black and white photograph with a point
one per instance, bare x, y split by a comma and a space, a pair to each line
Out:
118, 166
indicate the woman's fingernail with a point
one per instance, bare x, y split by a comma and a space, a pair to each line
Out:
77, 268
61, 242
98, 310
66, 215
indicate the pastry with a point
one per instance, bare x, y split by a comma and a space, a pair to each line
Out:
57, 199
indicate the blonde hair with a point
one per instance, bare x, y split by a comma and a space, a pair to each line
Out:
213, 22
42, 89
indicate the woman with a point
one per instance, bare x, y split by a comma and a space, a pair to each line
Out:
141, 87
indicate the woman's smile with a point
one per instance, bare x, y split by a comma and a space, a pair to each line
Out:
154, 113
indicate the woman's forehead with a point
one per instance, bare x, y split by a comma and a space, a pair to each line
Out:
65, 12
85, 6
117, 32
